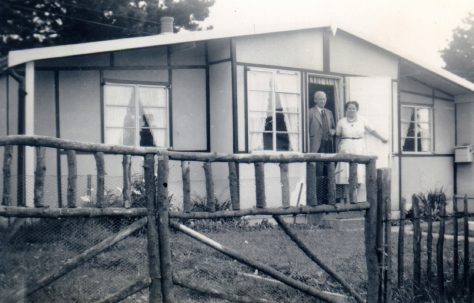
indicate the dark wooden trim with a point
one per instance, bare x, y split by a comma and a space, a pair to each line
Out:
112, 59
326, 50
133, 82
455, 167
304, 112
392, 118
235, 138
297, 69
104, 68
399, 138
7, 95
58, 135
170, 96
415, 155
102, 109
220, 61
208, 99
21, 175
433, 127
433, 96
246, 110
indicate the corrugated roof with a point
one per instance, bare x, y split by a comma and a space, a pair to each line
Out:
28, 55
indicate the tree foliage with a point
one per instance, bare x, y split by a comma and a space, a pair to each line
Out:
459, 55
35, 23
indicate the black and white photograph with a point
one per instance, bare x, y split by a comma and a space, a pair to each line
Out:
212, 151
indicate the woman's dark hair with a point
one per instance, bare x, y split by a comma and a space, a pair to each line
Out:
355, 103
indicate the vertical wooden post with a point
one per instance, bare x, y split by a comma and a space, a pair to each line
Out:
186, 186
416, 247
401, 244
440, 247
311, 193
152, 231
466, 247
331, 183
89, 186
7, 173
429, 240
163, 230
285, 185
234, 185
384, 231
71, 178
455, 247
386, 178
371, 235
353, 182
99, 160
211, 199
127, 180
260, 184
39, 177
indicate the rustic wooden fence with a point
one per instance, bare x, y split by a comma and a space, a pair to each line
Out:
158, 219
453, 278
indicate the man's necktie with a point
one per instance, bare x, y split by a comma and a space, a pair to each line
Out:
324, 119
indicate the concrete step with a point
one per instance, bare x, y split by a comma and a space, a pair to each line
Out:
346, 224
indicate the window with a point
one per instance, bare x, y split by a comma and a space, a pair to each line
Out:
416, 127
274, 98
136, 115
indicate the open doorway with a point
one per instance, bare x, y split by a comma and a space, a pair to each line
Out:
328, 89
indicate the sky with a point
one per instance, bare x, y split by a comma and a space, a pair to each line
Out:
421, 28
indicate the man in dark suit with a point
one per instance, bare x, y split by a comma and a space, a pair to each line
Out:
322, 129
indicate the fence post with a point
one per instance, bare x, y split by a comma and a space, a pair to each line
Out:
466, 248
211, 200
416, 246
7, 184
127, 180
440, 247
373, 266
260, 184
401, 243
455, 248
234, 185
285, 185
186, 186
429, 241
39, 177
71, 178
311, 193
164, 229
385, 253
99, 159
152, 231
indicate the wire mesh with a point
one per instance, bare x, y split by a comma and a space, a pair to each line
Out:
34, 248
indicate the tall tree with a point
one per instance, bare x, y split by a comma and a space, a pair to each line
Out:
459, 55
35, 23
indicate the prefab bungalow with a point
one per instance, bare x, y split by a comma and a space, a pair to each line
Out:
238, 93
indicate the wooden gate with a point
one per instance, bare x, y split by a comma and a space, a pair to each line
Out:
158, 218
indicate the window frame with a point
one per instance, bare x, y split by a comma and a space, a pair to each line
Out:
416, 107
135, 85
274, 92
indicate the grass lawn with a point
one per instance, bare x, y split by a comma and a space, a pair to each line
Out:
46, 244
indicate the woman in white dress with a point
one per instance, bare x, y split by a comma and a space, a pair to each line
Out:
351, 131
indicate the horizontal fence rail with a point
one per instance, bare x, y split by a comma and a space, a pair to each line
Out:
157, 213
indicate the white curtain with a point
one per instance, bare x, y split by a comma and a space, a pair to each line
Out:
154, 113
407, 115
259, 103
288, 93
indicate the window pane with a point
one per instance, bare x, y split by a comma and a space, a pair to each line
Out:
280, 122
153, 117
256, 141
119, 95
260, 121
423, 115
283, 142
152, 96
294, 142
119, 116
289, 83
424, 145
287, 102
120, 136
259, 101
408, 114
408, 144
153, 137
424, 130
259, 80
